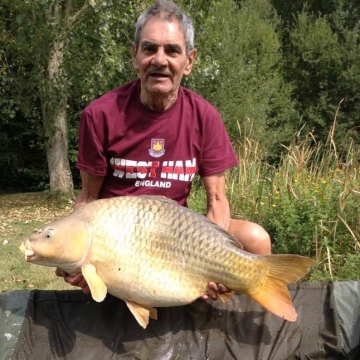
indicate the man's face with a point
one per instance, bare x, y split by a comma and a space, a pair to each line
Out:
161, 58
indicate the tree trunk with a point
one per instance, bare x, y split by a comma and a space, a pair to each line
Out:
54, 96
53, 104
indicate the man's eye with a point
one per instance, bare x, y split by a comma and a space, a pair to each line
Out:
149, 49
173, 50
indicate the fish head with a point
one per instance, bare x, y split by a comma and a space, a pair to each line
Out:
64, 243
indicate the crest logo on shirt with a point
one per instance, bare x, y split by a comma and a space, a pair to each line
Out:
157, 148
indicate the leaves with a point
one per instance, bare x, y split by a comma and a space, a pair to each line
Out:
24, 209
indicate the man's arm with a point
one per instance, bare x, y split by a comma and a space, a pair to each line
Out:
90, 190
218, 209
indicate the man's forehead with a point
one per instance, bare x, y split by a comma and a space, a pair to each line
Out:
162, 31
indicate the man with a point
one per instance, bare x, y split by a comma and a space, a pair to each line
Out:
152, 136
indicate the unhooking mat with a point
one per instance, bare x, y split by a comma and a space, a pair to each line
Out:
69, 325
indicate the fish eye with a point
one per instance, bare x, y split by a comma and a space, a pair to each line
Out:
49, 233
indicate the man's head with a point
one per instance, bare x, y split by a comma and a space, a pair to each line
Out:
163, 53
168, 11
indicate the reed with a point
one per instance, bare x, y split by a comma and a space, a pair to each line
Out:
308, 202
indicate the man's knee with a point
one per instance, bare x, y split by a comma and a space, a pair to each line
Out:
252, 236
261, 242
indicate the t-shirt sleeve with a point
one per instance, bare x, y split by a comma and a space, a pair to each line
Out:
218, 153
91, 156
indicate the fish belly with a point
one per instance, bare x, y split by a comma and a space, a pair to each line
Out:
159, 254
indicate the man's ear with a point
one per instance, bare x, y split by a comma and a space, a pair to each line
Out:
133, 54
190, 62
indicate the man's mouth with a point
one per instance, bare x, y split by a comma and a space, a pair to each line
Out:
159, 75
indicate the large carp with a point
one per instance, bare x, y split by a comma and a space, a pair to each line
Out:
151, 252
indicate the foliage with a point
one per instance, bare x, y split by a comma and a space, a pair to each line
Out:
238, 68
89, 60
320, 42
308, 203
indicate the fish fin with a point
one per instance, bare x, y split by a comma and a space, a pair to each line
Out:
273, 293
225, 297
96, 284
141, 313
153, 313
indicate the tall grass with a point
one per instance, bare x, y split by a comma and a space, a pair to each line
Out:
309, 202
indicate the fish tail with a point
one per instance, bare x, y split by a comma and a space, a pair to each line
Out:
273, 293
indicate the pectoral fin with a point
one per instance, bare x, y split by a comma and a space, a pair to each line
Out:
141, 313
97, 286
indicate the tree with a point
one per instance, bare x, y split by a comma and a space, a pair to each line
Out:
239, 69
40, 30
322, 57
58, 47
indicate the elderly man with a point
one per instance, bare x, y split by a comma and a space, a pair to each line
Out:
151, 136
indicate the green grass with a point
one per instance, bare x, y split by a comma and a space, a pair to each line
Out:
309, 202
21, 215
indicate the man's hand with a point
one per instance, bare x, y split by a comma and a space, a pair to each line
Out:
215, 291
77, 280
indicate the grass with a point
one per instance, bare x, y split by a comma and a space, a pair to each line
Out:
308, 202
21, 215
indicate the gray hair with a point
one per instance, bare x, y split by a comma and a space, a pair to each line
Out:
167, 10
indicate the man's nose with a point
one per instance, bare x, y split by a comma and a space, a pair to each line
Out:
159, 58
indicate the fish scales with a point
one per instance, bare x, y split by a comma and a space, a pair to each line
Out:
144, 235
152, 252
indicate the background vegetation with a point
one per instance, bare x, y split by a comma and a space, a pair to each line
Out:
285, 75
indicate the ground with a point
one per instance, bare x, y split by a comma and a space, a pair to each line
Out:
21, 215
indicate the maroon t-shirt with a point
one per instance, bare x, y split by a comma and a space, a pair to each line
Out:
142, 151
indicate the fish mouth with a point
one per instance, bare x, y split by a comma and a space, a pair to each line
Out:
28, 253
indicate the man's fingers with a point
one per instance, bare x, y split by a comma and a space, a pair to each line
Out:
77, 280
222, 288
86, 289
214, 291
213, 286
59, 272
74, 280
213, 294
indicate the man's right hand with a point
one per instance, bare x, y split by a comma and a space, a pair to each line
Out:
77, 280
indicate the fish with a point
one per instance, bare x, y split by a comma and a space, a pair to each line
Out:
151, 252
